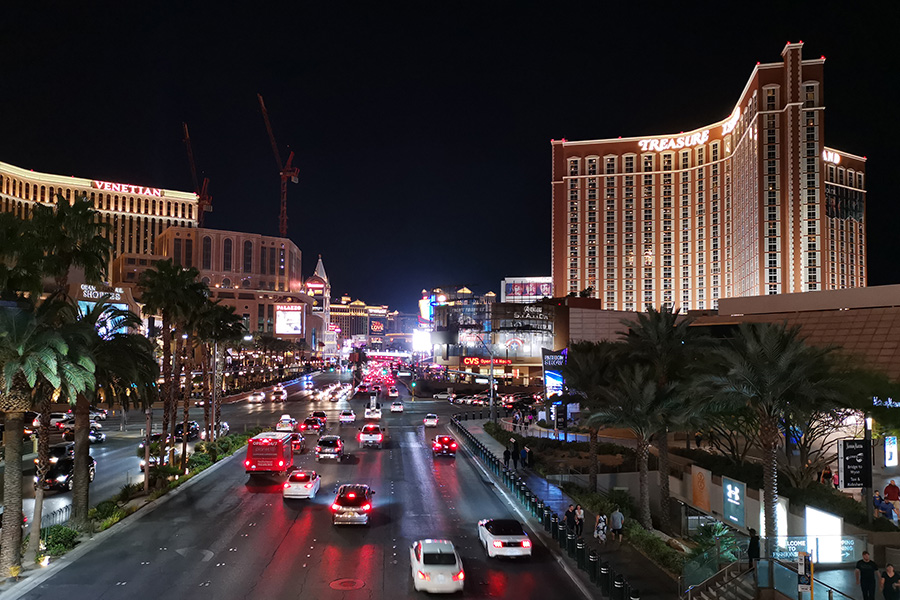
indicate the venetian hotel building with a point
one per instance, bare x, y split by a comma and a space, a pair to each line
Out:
754, 204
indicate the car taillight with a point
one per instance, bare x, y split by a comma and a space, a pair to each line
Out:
286, 484
423, 576
453, 445
497, 544
309, 487
526, 543
303, 427
459, 576
366, 507
246, 463
335, 506
318, 448
280, 463
379, 437
437, 446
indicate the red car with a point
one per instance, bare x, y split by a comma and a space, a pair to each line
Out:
312, 425
444, 445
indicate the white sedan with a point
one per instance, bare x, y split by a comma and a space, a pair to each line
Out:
503, 537
436, 566
302, 484
347, 417
256, 397
393, 393
430, 420
396, 407
286, 423
373, 413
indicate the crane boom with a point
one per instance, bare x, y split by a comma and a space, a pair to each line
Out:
265, 114
204, 200
285, 170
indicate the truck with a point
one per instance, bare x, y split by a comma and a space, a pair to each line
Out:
269, 452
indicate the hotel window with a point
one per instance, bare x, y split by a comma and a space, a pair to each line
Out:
809, 95
648, 163
715, 156
573, 194
207, 253
226, 255
610, 165
573, 167
770, 99
629, 164
592, 166
248, 256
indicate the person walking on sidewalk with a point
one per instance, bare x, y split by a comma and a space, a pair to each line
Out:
523, 456
866, 572
753, 549
600, 528
890, 582
515, 459
579, 521
617, 523
892, 495
530, 457
571, 521
506, 455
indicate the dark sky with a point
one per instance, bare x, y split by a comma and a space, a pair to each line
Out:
422, 130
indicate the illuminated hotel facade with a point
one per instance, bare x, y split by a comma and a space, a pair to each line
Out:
755, 204
136, 214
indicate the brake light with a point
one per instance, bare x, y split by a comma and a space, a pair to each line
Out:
453, 445
318, 448
246, 463
366, 507
379, 437
437, 446
526, 543
335, 506
423, 576
303, 426
359, 437
497, 544
280, 463
286, 484
309, 486
351, 495
459, 576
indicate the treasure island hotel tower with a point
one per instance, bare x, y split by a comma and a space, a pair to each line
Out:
753, 204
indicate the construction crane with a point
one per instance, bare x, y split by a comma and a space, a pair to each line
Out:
286, 170
204, 200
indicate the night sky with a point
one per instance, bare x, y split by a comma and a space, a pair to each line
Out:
422, 130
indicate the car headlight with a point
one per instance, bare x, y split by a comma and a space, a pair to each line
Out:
61, 478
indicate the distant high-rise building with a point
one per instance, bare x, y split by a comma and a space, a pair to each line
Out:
753, 204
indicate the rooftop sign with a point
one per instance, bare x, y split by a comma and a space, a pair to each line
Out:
125, 188
674, 143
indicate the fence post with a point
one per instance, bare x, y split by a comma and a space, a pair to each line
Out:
547, 520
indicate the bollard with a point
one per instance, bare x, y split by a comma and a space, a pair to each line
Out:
551, 523
570, 543
635, 594
618, 590
593, 565
603, 579
561, 535
547, 519
579, 553
465, 417
479, 416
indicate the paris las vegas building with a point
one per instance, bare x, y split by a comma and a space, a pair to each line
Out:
755, 204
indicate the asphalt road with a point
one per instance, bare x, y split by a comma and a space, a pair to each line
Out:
230, 536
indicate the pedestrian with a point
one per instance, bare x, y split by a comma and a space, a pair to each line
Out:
515, 459
892, 495
523, 456
506, 454
698, 439
826, 475
600, 528
890, 582
579, 521
617, 523
836, 480
570, 518
866, 570
753, 549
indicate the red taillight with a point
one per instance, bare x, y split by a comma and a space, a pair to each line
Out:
526, 543
459, 576
303, 427
287, 485
423, 576
453, 445
246, 463
379, 437
309, 487
366, 507
359, 437
497, 544
335, 506
437, 446
351, 495
280, 463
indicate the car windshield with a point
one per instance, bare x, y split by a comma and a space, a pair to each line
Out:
319, 414
439, 558
346, 413
312, 422
505, 527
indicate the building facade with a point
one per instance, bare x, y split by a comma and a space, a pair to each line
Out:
136, 215
753, 204
525, 290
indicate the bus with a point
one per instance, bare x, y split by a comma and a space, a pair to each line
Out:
270, 453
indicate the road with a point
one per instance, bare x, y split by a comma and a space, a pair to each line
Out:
229, 536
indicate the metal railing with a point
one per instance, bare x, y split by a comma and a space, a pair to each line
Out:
785, 581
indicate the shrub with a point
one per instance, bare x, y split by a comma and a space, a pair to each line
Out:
199, 461
60, 539
654, 548
542, 423
104, 509
129, 491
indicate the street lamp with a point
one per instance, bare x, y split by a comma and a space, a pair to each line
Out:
493, 410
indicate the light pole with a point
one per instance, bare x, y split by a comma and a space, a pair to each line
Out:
493, 405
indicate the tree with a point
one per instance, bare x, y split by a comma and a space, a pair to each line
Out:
33, 353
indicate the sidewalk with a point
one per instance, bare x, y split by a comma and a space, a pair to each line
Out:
642, 573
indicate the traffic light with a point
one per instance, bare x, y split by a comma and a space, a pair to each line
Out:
414, 384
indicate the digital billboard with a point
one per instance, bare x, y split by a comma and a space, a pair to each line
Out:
107, 327
289, 319
553, 363
733, 506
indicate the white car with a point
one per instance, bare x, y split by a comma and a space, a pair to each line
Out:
373, 413
257, 397
55, 419
393, 393
430, 420
396, 407
286, 423
302, 484
279, 395
347, 417
436, 566
444, 396
503, 537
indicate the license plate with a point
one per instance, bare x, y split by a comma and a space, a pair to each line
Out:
442, 578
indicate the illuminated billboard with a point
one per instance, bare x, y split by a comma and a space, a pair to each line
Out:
421, 341
289, 319
105, 327
553, 363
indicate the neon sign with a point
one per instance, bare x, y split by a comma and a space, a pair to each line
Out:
684, 141
128, 189
476, 361
377, 326
831, 157
729, 126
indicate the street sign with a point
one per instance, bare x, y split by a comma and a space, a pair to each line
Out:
855, 463
890, 451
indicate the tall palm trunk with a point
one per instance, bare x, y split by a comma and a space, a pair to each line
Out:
80, 479
664, 494
643, 457
204, 365
768, 438
43, 433
186, 398
217, 401
175, 393
592, 466
11, 533
168, 385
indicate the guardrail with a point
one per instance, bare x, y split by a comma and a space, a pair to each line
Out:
612, 585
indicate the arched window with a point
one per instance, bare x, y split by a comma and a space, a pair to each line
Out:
226, 255
207, 253
205, 281
226, 283
27, 190
245, 282
190, 212
248, 256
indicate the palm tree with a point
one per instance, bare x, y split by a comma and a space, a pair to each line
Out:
218, 323
768, 368
33, 353
20, 259
635, 401
588, 372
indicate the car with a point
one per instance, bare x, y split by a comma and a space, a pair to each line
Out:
193, 431
393, 392
58, 451
352, 505
430, 420
308, 383
320, 415
372, 434
504, 537
376, 388
60, 475
257, 397
95, 414
154, 460
286, 423
436, 566
443, 445
312, 425
347, 417
94, 436
68, 424
444, 396
298, 443
330, 446
396, 407
302, 484
55, 419
362, 388
155, 439
372, 413
223, 430
279, 395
